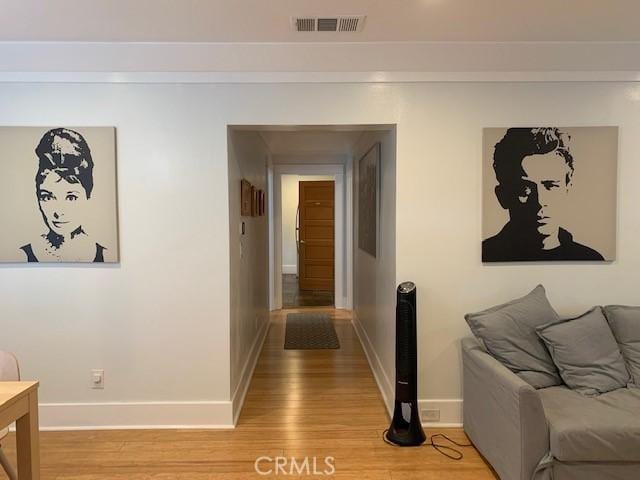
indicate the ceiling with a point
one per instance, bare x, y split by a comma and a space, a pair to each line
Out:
311, 142
269, 20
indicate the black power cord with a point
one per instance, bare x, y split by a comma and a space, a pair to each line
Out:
445, 450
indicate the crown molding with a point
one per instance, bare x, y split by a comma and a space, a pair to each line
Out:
318, 62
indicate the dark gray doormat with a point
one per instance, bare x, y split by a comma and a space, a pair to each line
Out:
310, 331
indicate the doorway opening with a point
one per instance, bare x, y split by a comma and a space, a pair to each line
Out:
324, 264
308, 241
357, 163
308, 269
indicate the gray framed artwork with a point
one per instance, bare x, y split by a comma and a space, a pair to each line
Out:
58, 195
369, 199
549, 194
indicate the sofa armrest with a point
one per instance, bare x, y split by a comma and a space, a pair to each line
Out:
503, 415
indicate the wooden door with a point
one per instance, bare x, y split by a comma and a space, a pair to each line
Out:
316, 248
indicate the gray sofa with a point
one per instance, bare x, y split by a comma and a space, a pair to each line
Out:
552, 433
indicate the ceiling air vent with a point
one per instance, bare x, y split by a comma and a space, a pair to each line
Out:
351, 24
305, 24
327, 24
344, 23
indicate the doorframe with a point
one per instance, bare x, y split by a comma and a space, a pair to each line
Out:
343, 234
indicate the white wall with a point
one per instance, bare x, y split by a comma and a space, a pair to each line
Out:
374, 278
249, 261
439, 212
159, 322
289, 189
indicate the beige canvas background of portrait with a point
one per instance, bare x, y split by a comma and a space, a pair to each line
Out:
590, 213
21, 219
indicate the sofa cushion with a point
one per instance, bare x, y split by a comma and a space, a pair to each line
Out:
507, 332
625, 324
586, 353
593, 429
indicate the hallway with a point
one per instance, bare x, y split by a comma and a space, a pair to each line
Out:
316, 403
326, 403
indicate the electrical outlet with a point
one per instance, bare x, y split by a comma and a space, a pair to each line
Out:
431, 415
97, 379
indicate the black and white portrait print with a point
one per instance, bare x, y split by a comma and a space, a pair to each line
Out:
549, 194
60, 195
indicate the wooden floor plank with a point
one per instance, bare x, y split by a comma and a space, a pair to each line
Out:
311, 403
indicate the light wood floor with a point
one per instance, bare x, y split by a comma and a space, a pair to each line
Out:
301, 403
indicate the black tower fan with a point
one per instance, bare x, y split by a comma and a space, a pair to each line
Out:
406, 429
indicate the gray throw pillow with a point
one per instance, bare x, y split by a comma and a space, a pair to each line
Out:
625, 324
508, 334
586, 353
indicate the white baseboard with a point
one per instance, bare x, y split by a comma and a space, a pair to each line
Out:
216, 414
135, 415
384, 384
154, 415
289, 269
237, 399
450, 409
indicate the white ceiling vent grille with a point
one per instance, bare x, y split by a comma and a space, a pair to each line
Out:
305, 24
344, 23
327, 24
351, 24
